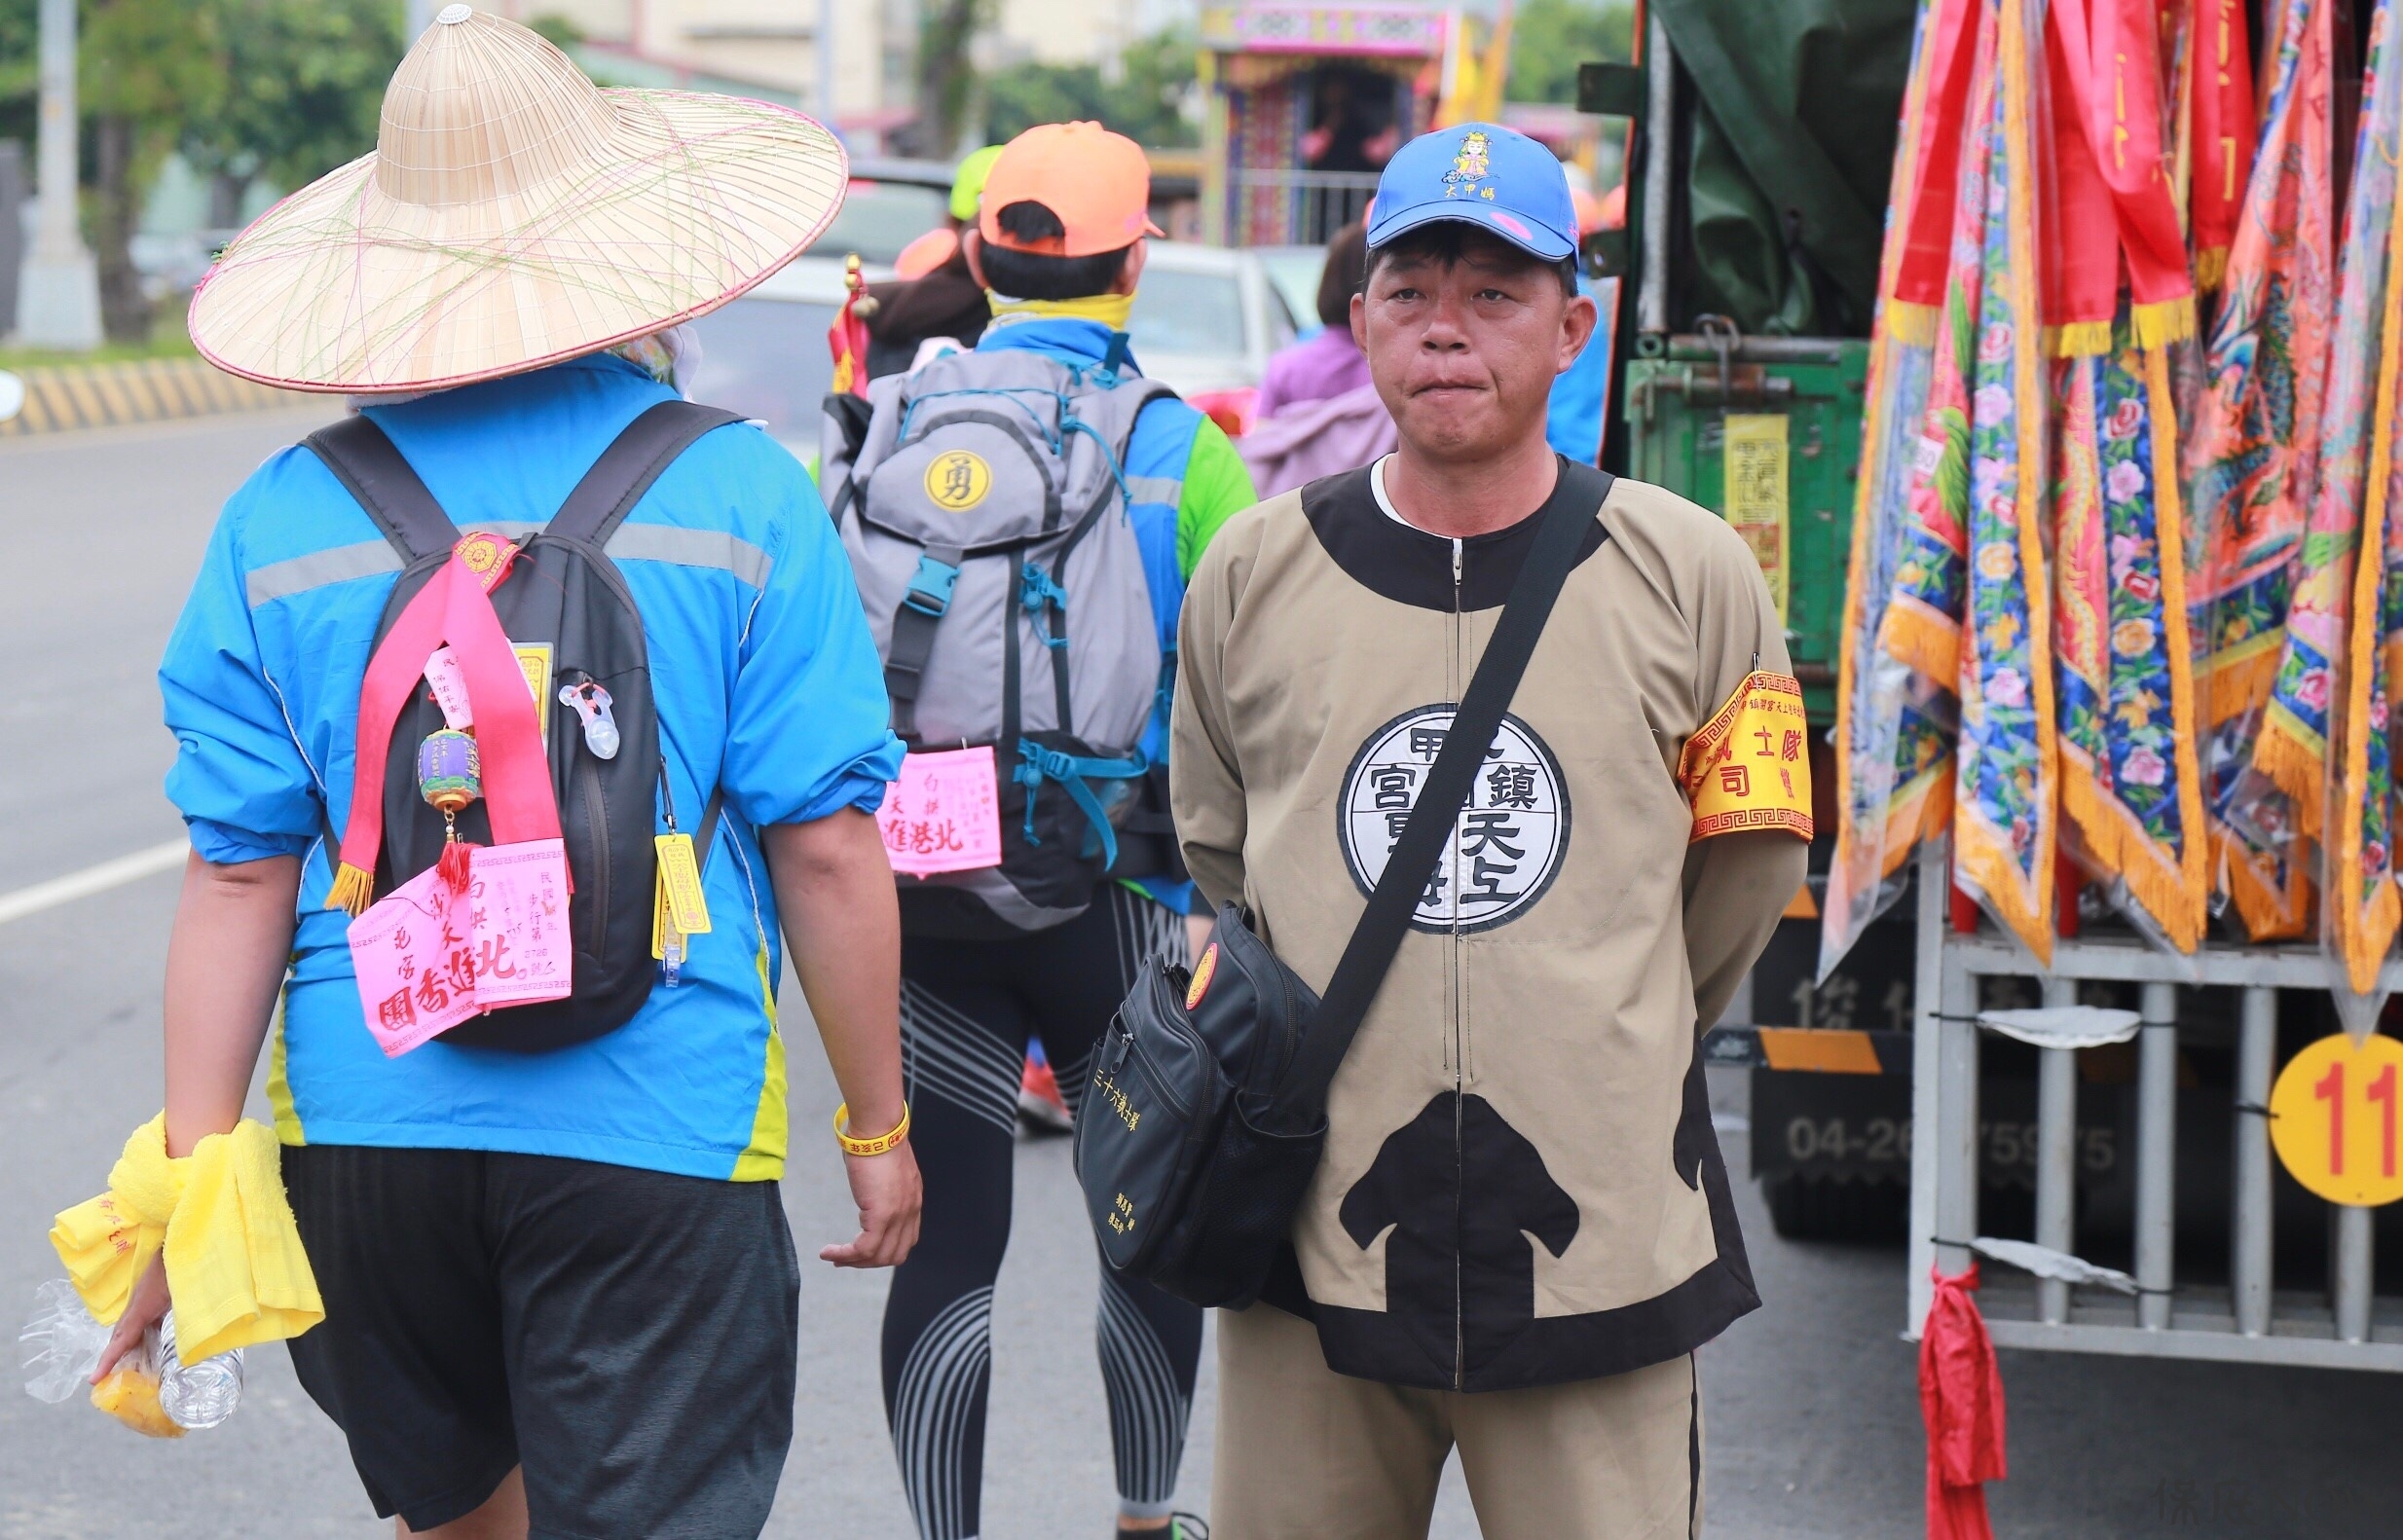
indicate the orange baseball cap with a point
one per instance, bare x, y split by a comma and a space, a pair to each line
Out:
1098, 182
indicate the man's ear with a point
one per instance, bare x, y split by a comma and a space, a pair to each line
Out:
972, 246
1131, 272
1359, 321
1578, 320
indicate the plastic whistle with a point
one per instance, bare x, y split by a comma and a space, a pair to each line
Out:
592, 704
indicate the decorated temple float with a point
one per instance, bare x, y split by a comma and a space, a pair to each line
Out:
1307, 102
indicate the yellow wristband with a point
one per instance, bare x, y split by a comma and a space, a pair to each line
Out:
881, 1145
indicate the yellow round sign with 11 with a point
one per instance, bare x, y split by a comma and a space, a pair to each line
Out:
2333, 1118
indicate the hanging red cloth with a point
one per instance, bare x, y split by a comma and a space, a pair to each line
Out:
2109, 62
2222, 108
1925, 260
1961, 1402
2080, 246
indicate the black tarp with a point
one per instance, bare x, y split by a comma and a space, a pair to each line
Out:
1787, 158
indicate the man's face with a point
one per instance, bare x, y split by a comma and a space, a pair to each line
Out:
1464, 354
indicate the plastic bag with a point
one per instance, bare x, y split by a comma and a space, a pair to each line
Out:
150, 1390
62, 1344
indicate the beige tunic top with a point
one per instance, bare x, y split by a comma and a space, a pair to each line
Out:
1521, 1185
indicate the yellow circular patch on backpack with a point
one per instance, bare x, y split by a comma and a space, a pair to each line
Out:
959, 480
1203, 973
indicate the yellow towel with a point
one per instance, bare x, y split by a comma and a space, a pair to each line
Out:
234, 1259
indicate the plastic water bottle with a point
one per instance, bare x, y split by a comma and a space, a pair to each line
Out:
61, 1346
200, 1394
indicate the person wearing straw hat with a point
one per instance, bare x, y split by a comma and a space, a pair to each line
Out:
560, 1293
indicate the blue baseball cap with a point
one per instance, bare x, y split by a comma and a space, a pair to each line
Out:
1485, 174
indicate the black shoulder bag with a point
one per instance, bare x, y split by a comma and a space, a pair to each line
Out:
1205, 1114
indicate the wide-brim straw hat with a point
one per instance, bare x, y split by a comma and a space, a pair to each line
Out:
513, 214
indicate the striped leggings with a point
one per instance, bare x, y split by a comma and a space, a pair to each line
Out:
967, 1009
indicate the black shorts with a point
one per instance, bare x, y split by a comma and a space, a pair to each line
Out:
628, 1337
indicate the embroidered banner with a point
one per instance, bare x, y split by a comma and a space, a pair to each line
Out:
2249, 461
2363, 905
2293, 747
1892, 765
2130, 780
2004, 808
2250, 448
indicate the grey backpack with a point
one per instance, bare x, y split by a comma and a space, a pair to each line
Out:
983, 505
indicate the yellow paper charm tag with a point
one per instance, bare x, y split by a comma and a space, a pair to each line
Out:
1748, 767
680, 884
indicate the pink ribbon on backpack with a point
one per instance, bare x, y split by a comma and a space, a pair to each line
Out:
455, 607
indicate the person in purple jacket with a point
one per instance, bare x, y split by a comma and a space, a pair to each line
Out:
1330, 363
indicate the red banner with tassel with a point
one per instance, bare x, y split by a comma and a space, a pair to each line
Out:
1925, 260
2222, 119
2111, 61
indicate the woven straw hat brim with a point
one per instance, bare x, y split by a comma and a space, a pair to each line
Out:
342, 287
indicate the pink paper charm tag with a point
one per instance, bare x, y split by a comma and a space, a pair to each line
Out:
415, 964
449, 682
943, 814
517, 900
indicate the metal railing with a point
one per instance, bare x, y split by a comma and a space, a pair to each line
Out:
2246, 1320
1316, 204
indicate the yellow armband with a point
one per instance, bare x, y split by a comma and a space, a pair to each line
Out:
1748, 767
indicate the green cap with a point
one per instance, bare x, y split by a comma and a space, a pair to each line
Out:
968, 182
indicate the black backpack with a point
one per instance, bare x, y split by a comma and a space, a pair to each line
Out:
563, 594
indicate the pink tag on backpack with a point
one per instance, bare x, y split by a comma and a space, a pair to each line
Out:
517, 903
415, 959
943, 814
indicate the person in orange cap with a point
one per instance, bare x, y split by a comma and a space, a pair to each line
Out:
1058, 245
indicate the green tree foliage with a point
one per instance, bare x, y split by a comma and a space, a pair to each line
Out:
284, 89
148, 68
1146, 102
1551, 38
18, 71
560, 31
305, 81
946, 79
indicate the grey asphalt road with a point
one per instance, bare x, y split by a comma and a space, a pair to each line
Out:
1810, 1405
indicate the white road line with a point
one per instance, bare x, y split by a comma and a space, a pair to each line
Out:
91, 879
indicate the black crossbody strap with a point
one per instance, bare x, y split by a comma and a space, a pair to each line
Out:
1379, 934
366, 462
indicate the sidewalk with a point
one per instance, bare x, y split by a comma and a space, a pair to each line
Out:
60, 397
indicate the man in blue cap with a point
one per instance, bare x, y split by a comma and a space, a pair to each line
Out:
1521, 1229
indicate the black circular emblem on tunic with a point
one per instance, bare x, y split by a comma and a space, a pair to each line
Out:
1508, 844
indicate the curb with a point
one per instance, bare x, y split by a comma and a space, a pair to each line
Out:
62, 397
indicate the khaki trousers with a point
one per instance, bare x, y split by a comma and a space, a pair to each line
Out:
1306, 1454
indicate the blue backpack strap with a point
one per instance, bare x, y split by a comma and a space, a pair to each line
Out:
1038, 764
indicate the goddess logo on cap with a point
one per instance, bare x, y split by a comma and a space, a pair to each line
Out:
1470, 168
957, 480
